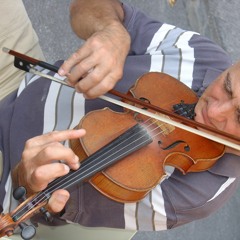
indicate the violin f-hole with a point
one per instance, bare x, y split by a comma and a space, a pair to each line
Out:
175, 144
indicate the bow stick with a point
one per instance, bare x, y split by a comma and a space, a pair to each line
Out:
27, 64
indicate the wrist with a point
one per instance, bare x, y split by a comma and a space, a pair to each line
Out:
118, 30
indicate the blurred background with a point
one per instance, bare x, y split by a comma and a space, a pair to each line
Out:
216, 19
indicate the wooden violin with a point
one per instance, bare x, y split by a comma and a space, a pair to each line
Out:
123, 154
144, 145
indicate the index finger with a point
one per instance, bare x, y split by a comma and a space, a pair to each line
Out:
56, 136
73, 60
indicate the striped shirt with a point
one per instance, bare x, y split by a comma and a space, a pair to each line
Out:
42, 106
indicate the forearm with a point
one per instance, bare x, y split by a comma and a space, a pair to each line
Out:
90, 16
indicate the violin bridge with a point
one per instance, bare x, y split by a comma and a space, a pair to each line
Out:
165, 127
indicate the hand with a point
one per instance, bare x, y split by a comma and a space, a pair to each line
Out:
40, 164
98, 65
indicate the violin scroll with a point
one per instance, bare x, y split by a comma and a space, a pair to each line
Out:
7, 225
9, 222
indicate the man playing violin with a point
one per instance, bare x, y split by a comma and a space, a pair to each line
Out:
122, 44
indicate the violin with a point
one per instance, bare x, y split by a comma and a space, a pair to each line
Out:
145, 145
123, 155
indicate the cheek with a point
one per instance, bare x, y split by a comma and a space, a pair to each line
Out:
232, 126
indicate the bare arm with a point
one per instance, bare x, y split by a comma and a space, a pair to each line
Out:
90, 16
99, 62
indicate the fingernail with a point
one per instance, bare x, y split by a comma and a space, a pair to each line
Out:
82, 131
61, 71
66, 167
77, 163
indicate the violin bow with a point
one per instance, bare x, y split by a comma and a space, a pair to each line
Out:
27, 64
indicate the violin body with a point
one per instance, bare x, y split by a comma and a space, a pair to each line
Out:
131, 178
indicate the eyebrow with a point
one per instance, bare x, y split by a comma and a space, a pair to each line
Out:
229, 81
229, 78
228, 84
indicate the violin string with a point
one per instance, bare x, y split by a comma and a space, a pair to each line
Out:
58, 184
117, 146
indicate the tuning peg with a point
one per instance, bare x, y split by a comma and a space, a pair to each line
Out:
47, 215
28, 231
20, 193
